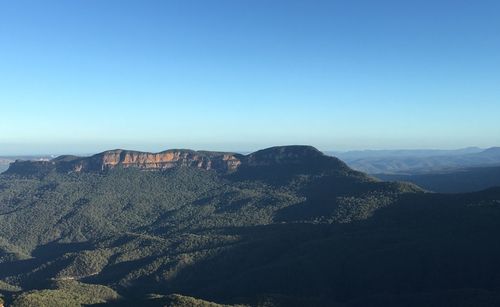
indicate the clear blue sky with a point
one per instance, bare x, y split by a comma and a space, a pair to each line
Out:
84, 76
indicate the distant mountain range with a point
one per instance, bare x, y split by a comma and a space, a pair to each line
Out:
410, 162
284, 226
452, 181
448, 171
385, 153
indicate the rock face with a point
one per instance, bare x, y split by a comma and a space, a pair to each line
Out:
221, 162
156, 161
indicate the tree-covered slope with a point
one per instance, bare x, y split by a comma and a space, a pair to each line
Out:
289, 226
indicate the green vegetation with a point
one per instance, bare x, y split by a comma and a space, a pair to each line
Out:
5, 287
176, 300
66, 294
314, 234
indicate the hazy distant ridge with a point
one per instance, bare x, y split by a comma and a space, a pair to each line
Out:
418, 161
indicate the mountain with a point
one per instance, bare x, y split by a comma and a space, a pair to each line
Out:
5, 161
219, 161
124, 158
362, 154
492, 153
410, 162
284, 226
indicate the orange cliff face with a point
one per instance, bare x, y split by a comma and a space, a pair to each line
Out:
224, 162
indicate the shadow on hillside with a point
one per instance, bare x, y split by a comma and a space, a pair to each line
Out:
37, 276
120, 270
428, 249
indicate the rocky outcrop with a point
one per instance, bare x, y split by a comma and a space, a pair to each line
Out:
221, 162
156, 161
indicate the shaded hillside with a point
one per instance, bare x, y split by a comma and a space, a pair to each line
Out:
453, 181
432, 250
288, 226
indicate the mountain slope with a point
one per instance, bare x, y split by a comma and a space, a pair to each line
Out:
81, 205
437, 250
286, 226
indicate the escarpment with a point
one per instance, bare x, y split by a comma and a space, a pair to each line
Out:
222, 162
168, 159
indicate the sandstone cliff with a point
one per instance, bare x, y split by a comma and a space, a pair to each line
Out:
221, 162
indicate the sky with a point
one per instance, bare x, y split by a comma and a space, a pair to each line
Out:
82, 76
